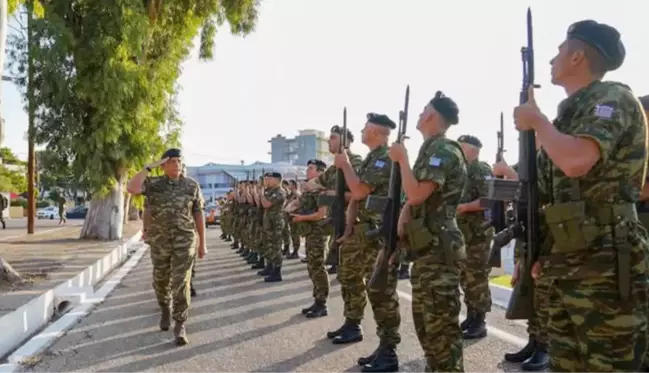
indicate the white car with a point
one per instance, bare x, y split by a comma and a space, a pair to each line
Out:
48, 212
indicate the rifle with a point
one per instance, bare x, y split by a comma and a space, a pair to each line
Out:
524, 192
336, 204
391, 208
497, 209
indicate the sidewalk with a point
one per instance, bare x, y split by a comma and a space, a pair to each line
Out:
50, 258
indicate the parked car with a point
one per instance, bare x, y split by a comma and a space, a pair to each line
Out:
48, 212
212, 215
77, 212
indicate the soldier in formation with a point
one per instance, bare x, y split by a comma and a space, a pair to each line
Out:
290, 236
434, 188
474, 277
175, 207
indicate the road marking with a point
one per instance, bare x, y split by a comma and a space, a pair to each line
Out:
34, 234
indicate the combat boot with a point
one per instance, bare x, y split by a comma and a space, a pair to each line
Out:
180, 334
250, 255
228, 238
293, 255
333, 269
404, 272
240, 250
266, 271
222, 236
522, 355
308, 309
539, 360
303, 260
165, 319
286, 251
252, 258
275, 275
478, 328
385, 360
333, 334
470, 315
319, 310
235, 245
351, 333
245, 252
369, 358
260, 264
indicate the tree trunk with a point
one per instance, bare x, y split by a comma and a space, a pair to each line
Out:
8, 275
105, 216
127, 204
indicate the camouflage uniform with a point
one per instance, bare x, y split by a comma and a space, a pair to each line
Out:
357, 257
474, 277
598, 263
171, 234
290, 234
272, 231
438, 248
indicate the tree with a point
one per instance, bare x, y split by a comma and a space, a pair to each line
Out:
8, 157
105, 83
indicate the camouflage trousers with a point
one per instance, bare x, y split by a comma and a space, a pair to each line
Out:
474, 275
286, 231
272, 242
436, 311
592, 330
537, 325
356, 263
316, 252
173, 261
255, 239
236, 230
295, 237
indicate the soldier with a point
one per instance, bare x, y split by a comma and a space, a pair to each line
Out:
404, 270
4, 203
434, 188
591, 168
310, 217
175, 204
272, 198
358, 252
293, 230
643, 205
227, 216
286, 233
61, 202
474, 277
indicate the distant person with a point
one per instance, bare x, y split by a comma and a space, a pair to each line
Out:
62, 218
4, 203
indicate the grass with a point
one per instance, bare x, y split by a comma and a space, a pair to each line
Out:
501, 280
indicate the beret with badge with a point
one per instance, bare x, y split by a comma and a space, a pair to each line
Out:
273, 174
446, 107
381, 120
320, 165
339, 130
471, 140
603, 38
172, 153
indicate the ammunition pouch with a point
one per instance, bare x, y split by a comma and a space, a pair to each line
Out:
436, 242
359, 233
571, 227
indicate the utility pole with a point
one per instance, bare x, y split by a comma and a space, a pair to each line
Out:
31, 157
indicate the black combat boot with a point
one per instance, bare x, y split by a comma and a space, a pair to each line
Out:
333, 269
319, 310
244, 252
266, 271
337, 332
235, 245
470, 315
478, 328
286, 251
522, 355
303, 260
260, 264
252, 258
404, 271
385, 360
351, 333
308, 309
228, 238
539, 360
293, 255
275, 275
240, 250
222, 236
369, 358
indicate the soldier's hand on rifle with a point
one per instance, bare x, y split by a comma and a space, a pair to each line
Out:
528, 115
502, 169
341, 160
297, 218
398, 153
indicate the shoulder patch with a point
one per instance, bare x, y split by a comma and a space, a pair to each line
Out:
435, 162
604, 111
379, 163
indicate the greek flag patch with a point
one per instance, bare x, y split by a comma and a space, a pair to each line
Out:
379, 164
435, 162
604, 111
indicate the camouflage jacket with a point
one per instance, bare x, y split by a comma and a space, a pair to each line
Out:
309, 205
172, 205
375, 172
608, 114
273, 215
471, 223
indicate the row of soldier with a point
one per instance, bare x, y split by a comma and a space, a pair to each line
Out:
592, 162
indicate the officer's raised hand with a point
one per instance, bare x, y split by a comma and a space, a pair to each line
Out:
528, 115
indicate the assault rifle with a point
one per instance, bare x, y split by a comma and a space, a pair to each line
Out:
391, 208
336, 204
524, 192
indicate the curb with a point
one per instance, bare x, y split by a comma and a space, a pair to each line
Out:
19, 325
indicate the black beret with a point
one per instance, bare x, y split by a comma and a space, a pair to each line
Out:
284, 182
320, 165
293, 182
644, 100
471, 140
381, 120
172, 153
274, 174
339, 130
604, 38
446, 107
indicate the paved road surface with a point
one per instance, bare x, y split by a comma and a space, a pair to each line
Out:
18, 227
240, 324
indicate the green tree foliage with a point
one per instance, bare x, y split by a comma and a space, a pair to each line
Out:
8, 157
106, 73
11, 180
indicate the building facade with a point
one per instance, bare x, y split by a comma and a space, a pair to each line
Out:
217, 179
308, 144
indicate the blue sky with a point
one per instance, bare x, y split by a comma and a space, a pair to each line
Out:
309, 58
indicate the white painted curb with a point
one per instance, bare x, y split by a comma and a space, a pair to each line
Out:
22, 323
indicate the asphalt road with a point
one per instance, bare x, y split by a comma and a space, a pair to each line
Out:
238, 323
18, 227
